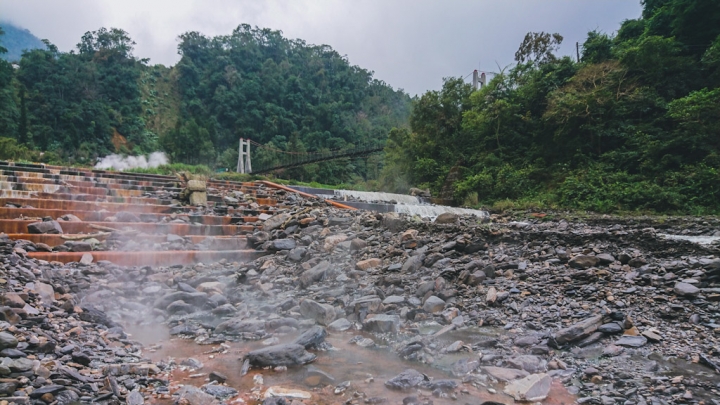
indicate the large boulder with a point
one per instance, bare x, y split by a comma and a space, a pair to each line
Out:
446, 218
280, 355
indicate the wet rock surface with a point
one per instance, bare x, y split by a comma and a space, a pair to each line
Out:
603, 306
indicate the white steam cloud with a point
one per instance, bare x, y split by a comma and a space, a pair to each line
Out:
119, 162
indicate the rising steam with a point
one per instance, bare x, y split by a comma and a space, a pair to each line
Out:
119, 162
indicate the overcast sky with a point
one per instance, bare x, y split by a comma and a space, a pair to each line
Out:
410, 44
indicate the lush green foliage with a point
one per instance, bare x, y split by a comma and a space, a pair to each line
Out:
254, 83
635, 125
282, 93
16, 40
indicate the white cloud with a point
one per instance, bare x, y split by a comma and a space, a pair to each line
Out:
411, 44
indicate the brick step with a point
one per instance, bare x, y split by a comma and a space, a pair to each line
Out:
20, 226
100, 216
215, 242
164, 258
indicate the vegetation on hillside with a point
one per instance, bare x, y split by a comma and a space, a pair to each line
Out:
286, 94
635, 124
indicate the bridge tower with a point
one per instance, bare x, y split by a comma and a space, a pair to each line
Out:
244, 164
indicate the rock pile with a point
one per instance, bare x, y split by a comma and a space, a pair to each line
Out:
608, 308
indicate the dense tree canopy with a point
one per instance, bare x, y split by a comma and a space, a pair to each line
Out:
634, 125
253, 83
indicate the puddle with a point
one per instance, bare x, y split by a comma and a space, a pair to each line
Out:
367, 369
700, 240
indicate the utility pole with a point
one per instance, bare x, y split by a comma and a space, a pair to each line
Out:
244, 164
577, 50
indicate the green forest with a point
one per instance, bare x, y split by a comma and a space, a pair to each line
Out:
632, 124
254, 83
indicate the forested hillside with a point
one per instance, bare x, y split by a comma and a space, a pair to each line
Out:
634, 125
100, 98
16, 40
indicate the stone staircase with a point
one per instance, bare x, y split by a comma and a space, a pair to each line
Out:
131, 219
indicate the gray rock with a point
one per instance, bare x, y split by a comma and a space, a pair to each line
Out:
311, 338
275, 222
194, 396
217, 376
67, 397
433, 304
340, 325
134, 398
412, 264
7, 388
46, 389
406, 380
584, 261
45, 227
476, 278
686, 289
393, 299
323, 314
612, 327
504, 374
283, 244
180, 306
237, 326
314, 275
528, 362
7, 341
631, 341
297, 254
575, 332
382, 323
446, 218
532, 388
219, 391
605, 258
280, 355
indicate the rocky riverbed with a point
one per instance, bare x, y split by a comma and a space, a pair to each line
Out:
355, 307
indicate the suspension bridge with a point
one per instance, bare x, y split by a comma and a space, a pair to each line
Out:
268, 159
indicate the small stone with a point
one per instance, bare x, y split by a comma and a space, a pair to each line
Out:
532, 388
381, 323
217, 376
368, 264
631, 341
433, 304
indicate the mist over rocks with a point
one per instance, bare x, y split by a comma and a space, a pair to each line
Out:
515, 305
